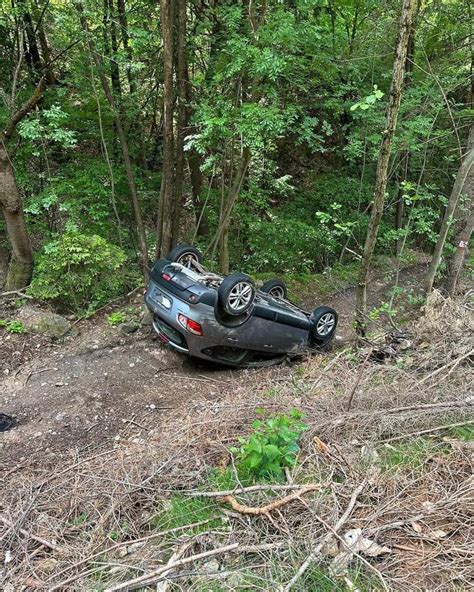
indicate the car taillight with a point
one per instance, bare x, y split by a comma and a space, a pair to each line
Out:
189, 324
166, 277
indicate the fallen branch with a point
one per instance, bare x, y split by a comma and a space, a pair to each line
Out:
117, 546
164, 585
265, 510
317, 550
357, 381
448, 365
16, 293
428, 431
239, 490
153, 576
30, 535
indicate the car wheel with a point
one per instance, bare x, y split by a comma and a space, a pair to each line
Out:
186, 255
323, 324
236, 294
275, 288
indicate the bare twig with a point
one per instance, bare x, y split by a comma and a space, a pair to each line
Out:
30, 535
155, 575
178, 554
316, 551
453, 363
250, 489
16, 293
357, 380
117, 546
428, 431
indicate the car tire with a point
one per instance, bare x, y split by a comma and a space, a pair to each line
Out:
185, 255
323, 325
275, 288
236, 294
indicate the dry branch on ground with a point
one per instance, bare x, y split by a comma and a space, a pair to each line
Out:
421, 511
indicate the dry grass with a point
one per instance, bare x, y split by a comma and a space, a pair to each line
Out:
115, 514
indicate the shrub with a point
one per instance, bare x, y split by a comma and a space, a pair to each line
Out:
79, 272
284, 245
272, 447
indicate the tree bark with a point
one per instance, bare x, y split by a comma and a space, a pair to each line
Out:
122, 14
393, 108
122, 138
232, 196
4, 260
182, 82
164, 225
20, 268
464, 180
44, 45
405, 154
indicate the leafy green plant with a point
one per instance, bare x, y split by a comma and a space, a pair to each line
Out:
272, 447
115, 318
80, 272
369, 100
13, 326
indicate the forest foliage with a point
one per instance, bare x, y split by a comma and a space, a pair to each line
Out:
252, 129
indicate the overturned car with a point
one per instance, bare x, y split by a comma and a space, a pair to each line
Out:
227, 319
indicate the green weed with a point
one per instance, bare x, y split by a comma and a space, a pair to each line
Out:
270, 448
181, 511
115, 318
465, 433
13, 326
412, 454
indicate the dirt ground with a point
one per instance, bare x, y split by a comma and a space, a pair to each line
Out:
112, 429
101, 385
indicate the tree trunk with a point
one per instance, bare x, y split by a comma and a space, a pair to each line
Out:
122, 138
194, 163
232, 196
122, 14
224, 258
3, 266
406, 20
21, 263
182, 83
44, 45
111, 28
164, 225
32, 55
405, 154
464, 180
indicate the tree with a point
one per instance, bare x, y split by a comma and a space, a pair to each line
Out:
405, 24
122, 138
20, 267
164, 232
182, 119
464, 181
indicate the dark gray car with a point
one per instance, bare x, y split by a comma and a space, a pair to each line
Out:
227, 319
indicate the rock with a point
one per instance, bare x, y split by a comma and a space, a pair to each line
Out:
211, 566
44, 322
135, 547
127, 328
146, 318
48, 564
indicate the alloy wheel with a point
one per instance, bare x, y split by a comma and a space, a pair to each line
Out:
325, 324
